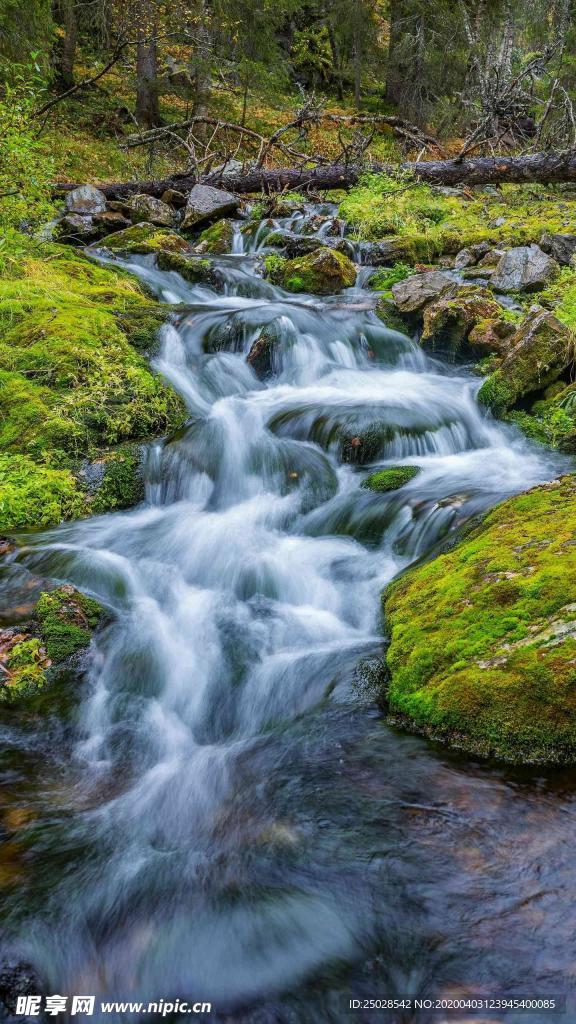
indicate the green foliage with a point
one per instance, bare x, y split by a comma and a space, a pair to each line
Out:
25, 171
35, 495
384, 278
122, 486
390, 479
431, 223
483, 639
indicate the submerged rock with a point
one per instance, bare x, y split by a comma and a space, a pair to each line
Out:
323, 272
525, 268
412, 294
390, 479
541, 350
62, 625
206, 203
495, 684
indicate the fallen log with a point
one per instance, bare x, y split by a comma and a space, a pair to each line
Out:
544, 168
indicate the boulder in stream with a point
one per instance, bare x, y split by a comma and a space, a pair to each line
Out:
152, 210
61, 626
206, 203
217, 239
450, 319
143, 239
412, 294
322, 272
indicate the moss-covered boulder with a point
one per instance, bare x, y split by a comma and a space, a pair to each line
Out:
390, 479
114, 481
63, 623
449, 320
191, 268
322, 272
217, 239
483, 638
151, 210
144, 239
539, 352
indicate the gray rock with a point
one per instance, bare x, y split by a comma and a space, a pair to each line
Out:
206, 203
86, 200
152, 210
111, 220
470, 256
525, 269
76, 227
382, 254
412, 294
560, 247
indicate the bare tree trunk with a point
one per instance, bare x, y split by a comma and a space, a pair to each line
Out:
336, 62
65, 50
357, 65
147, 107
202, 48
394, 71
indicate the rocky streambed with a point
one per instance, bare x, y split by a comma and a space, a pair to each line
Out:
224, 804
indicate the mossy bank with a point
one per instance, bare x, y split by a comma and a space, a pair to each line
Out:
482, 648
75, 382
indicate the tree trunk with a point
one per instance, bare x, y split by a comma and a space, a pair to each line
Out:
335, 62
65, 49
540, 167
147, 108
394, 72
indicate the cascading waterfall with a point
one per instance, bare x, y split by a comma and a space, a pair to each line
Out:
230, 822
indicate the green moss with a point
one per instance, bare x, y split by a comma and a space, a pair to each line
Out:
217, 239
144, 239
274, 266
390, 479
190, 268
384, 278
122, 485
433, 223
35, 495
483, 648
71, 381
67, 619
322, 272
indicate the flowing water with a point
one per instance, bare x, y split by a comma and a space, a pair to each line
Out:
227, 817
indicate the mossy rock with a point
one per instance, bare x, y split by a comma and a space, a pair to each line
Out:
540, 351
387, 312
120, 483
483, 638
63, 624
143, 239
390, 479
191, 268
449, 321
217, 239
322, 272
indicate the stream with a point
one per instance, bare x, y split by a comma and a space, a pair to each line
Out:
228, 817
